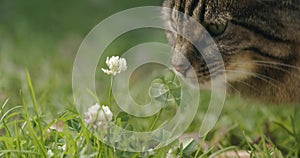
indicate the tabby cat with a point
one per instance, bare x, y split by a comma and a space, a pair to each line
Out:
259, 41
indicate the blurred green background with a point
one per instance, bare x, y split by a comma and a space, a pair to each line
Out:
44, 36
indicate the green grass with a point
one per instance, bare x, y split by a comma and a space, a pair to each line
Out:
43, 41
262, 131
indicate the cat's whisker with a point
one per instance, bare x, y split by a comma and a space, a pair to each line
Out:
276, 63
268, 63
248, 85
280, 69
230, 85
276, 67
257, 75
211, 67
254, 74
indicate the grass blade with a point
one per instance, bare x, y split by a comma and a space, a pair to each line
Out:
36, 109
31, 130
222, 151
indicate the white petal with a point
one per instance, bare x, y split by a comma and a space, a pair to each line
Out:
50, 153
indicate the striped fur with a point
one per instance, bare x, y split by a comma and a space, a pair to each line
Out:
260, 44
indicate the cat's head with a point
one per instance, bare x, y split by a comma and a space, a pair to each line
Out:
249, 34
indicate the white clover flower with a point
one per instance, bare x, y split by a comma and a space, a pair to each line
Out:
50, 153
63, 148
98, 116
115, 64
151, 152
58, 126
170, 154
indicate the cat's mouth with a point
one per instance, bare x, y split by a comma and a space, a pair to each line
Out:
194, 79
198, 71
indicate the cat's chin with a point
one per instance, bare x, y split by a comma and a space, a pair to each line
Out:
202, 86
205, 85
194, 83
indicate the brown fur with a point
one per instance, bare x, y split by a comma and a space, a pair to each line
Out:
260, 45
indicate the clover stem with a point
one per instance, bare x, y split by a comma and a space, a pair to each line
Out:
156, 119
110, 91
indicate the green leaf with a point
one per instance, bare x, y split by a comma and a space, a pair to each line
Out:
285, 128
75, 124
158, 90
189, 146
123, 116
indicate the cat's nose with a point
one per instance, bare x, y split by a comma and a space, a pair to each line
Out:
181, 67
180, 63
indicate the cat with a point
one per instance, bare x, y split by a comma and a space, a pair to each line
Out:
259, 41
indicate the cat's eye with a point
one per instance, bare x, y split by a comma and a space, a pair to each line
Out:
216, 29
